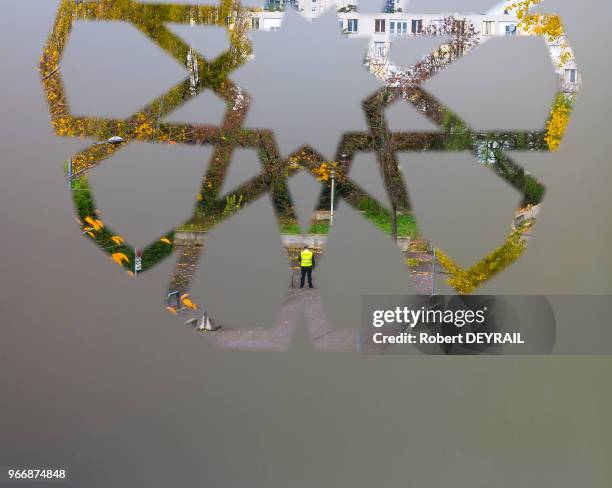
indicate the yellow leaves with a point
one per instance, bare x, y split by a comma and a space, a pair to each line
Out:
466, 281
172, 310
323, 171
302, 157
548, 26
120, 258
186, 301
118, 240
97, 224
551, 28
200, 197
566, 54
144, 131
144, 126
166, 240
558, 122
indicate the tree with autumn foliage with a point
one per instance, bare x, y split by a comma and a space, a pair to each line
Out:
548, 26
403, 83
559, 120
493, 147
465, 281
551, 28
144, 125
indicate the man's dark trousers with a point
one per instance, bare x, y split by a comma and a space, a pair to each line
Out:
306, 271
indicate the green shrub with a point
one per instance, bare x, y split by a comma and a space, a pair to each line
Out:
232, 205
533, 191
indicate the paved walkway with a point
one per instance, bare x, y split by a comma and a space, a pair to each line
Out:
303, 306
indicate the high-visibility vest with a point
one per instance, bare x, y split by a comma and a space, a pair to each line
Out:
306, 256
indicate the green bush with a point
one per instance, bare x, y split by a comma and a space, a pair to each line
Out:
83, 199
533, 191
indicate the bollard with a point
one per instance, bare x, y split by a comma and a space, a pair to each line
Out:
206, 323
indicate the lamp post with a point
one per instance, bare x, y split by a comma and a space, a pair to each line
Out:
114, 140
333, 187
69, 179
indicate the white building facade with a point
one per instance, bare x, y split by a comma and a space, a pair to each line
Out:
383, 28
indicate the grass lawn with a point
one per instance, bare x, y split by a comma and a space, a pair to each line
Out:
290, 226
406, 225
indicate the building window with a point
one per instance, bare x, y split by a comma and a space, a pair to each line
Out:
458, 27
379, 49
341, 24
313, 9
488, 28
398, 27
353, 25
379, 25
511, 30
255, 23
417, 26
437, 25
571, 76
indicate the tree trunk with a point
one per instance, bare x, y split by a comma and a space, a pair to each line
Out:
394, 222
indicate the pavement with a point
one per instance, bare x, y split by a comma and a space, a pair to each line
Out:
303, 307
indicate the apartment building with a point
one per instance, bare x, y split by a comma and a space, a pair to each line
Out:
314, 8
384, 27
308, 8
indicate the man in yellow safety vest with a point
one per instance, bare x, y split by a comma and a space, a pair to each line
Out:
307, 264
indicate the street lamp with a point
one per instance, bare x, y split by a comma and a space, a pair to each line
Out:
333, 187
114, 140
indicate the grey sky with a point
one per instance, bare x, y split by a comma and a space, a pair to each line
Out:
499, 9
